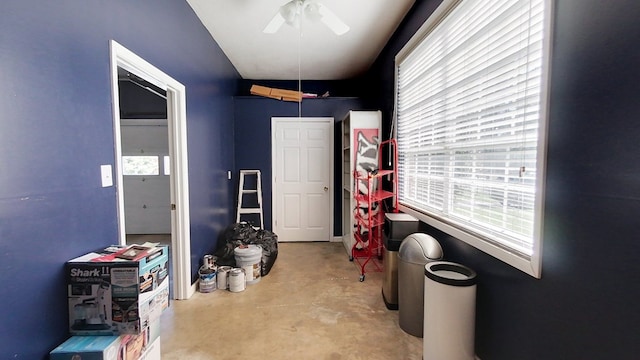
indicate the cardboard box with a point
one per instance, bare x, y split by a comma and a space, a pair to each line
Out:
88, 348
135, 347
263, 91
287, 95
117, 290
124, 347
278, 94
152, 352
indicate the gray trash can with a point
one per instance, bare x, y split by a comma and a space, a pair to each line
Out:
449, 311
415, 252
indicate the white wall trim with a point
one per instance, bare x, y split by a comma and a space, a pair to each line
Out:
177, 125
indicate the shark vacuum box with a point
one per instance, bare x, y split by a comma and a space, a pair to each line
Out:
117, 290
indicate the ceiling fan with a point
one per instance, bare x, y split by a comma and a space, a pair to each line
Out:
292, 12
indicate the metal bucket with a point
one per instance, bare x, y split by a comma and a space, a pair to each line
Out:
207, 281
209, 261
223, 277
237, 280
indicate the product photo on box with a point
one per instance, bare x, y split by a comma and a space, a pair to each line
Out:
117, 290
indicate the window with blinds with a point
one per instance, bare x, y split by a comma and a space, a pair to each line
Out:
470, 115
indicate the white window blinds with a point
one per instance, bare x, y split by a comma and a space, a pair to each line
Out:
468, 116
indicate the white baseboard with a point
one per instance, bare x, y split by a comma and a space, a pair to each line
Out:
336, 239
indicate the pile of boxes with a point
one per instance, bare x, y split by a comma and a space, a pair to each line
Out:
116, 296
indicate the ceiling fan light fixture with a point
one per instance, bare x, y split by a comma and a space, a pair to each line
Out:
312, 11
291, 12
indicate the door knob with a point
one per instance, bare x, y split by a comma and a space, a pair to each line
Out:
326, 188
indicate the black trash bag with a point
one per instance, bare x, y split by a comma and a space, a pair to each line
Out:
269, 243
233, 236
244, 234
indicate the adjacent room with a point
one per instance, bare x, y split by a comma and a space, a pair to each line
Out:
406, 164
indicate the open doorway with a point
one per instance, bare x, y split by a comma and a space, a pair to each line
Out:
125, 62
145, 159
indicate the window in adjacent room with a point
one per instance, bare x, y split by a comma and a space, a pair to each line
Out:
471, 125
166, 165
140, 165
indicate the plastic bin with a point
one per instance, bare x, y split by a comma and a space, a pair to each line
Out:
415, 252
449, 311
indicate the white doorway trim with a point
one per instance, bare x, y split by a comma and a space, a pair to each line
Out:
177, 125
274, 149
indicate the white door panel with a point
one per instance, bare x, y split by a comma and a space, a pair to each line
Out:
147, 204
303, 174
147, 198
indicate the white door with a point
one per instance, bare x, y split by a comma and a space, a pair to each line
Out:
302, 171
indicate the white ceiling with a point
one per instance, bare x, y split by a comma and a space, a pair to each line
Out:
236, 25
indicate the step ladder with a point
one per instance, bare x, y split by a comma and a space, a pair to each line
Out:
255, 194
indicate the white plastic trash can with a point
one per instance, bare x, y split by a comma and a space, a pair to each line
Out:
449, 311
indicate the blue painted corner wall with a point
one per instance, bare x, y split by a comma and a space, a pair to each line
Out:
252, 139
585, 305
56, 129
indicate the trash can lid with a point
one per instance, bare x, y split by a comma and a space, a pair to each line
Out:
247, 250
450, 273
420, 248
400, 217
391, 244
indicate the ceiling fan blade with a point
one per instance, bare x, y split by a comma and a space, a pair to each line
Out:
331, 20
274, 25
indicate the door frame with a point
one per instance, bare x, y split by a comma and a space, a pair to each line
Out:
179, 180
274, 189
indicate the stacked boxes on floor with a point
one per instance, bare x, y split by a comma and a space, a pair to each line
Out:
89, 347
106, 348
116, 296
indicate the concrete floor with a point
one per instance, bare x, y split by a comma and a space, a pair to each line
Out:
310, 306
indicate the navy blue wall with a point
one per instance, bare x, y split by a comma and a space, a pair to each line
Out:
253, 139
56, 129
584, 307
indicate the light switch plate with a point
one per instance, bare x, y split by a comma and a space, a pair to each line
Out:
105, 173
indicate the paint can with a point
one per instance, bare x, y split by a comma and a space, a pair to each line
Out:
207, 281
249, 257
223, 277
237, 280
209, 261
